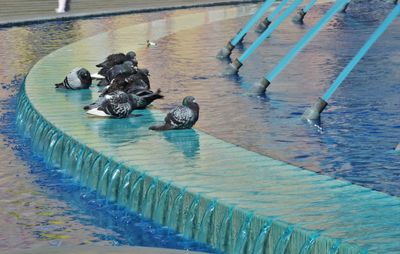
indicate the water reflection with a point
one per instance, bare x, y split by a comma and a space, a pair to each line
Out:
185, 141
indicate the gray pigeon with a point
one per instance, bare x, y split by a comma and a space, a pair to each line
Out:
180, 117
116, 105
78, 78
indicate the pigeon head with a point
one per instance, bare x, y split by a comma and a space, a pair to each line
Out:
131, 55
145, 72
128, 65
188, 100
84, 76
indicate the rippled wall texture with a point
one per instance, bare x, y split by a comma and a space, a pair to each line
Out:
226, 228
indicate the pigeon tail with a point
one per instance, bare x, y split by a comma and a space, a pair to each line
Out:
59, 85
97, 112
152, 97
163, 127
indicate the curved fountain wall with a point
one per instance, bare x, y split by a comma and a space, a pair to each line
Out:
247, 203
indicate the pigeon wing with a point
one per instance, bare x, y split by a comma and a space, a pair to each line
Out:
179, 117
116, 105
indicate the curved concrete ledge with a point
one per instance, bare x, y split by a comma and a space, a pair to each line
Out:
207, 189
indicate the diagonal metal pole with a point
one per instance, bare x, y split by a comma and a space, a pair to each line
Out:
299, 18
227, 50
260, 86
267, 21
234, 67
314, 112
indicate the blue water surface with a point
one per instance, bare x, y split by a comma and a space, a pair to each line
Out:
359, 129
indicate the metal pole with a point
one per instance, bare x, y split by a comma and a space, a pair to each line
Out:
227, 50
234, 67
260, 86
314, 112
299, 18
267, 21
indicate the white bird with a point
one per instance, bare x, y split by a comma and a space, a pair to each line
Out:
150, 43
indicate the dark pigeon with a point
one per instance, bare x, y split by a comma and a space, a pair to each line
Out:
136, 101
126, 68
78, 78
180, 117
144, 75
115, 59
116, 105
128, 83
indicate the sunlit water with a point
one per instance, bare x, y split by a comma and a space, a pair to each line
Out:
360, 127
39, 206
355, 141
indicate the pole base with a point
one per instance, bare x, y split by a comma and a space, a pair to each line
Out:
263, 26
260, 87
233, 68
395, 1
299, 17
314, 113
344, 9
225, 51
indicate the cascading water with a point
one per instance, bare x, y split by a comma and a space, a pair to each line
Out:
242, 238
162, 205
206, 223
175, 211
225, 230
189, 228
149, 199
262, 238
136, 194
310, 243
284, 240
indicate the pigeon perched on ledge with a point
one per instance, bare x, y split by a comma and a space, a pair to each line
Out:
180, 117
126, 68
117, 105
141, 101
115, 59
128, 83
78, 78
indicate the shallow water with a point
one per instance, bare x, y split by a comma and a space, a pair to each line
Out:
359, 128
38, 205
355, 141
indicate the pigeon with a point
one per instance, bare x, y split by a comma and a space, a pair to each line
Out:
115, 59
129, 83
143, 100
126, 68
136, 101
144, 75
180, 117
116, 105
78, 78
118, 58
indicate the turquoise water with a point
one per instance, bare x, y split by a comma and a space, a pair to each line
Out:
354, 147
39, 205
360, 127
